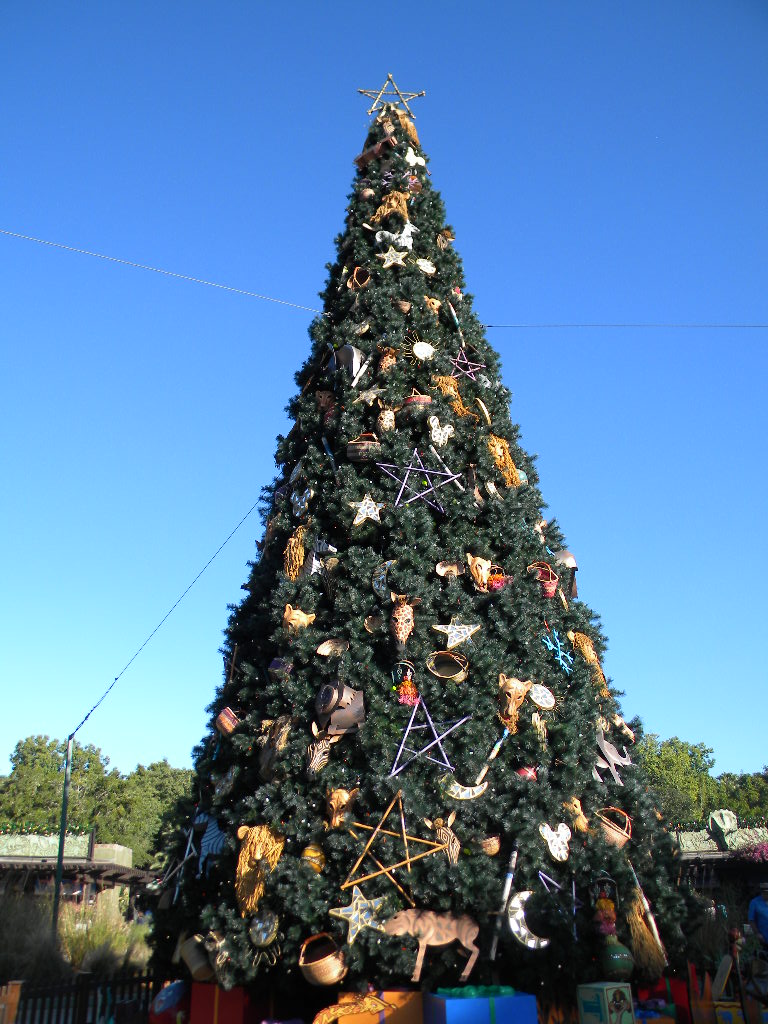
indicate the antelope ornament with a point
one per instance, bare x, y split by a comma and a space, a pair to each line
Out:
431, 929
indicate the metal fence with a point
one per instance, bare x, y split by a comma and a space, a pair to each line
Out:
122, 999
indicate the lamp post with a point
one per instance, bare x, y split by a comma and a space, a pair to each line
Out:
62, 833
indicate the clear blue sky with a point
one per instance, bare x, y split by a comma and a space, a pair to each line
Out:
600, 162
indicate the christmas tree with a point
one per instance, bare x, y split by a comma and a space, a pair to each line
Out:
414, 739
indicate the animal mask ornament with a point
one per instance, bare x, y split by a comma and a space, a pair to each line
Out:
338, 803
556, 839
512, 695
578, 817
295, 619
480, 569
261, 849
272, 741
319, 751
402, 620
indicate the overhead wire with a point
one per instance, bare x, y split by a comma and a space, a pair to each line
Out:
164, 619
312, 309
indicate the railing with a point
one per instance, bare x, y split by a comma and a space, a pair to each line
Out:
122, 999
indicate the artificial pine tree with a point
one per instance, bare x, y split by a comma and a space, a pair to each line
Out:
411, 641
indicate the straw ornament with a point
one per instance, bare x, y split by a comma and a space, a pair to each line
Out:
449, 387
583, 644
499, 449
293, 556
394, 202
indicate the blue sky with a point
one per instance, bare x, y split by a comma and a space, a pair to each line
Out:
600, 163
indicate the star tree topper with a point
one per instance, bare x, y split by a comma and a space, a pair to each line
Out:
379, 98
361, 913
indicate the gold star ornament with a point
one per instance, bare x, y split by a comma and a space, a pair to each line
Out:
380, 98
392, 258
366, 509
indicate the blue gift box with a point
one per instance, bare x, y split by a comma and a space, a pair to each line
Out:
478, 1005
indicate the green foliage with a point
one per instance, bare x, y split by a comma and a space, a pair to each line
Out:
235, 782
98, 939
28, 951
680, 774
122, 809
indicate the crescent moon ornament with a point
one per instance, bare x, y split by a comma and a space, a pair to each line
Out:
518, 925
379, 581
456, 791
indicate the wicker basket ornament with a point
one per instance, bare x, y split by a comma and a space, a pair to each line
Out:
616, 825
321, 961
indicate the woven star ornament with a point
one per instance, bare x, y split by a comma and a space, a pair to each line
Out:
366, 509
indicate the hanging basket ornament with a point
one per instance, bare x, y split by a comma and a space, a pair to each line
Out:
616, 825
321, 961
546, 576
363, 448
449, 666
359, 278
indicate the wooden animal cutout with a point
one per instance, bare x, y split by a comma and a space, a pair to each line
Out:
261, 848
362, 1004
212, 843
339, 802
556, 839
295, 619
512, 694
413, 160
608, 758
401, 239
319, 751
402, 621
431, 929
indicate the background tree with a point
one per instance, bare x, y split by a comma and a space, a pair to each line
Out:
121, 809
680, 774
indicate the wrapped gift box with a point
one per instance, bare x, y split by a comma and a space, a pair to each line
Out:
605, 1002
477, 1005
214, 1005
408, 1009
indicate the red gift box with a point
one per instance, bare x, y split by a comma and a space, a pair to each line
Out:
214, 1005
670, 990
